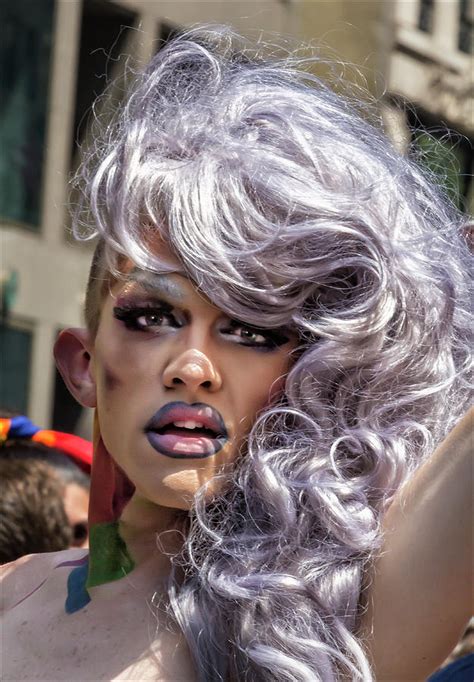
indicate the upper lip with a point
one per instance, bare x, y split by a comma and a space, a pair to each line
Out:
180, 411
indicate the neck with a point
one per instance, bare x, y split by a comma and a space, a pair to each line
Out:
143, 535
127, 533
140, 544
151, 532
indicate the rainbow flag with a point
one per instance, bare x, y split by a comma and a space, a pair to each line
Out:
108, 558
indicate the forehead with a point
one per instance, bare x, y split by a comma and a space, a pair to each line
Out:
172, 284
174, 287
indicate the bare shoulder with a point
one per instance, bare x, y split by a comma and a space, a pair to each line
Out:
115, 636
20, 579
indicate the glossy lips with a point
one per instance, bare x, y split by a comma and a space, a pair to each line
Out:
186, 431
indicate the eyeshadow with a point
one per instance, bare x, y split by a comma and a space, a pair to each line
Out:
158, 285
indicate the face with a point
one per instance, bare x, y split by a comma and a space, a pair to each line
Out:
179, 384
76, 504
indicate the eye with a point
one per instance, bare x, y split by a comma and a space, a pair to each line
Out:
151, 320
246, 335
250, 336
145, 318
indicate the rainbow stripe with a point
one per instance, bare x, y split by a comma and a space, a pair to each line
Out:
109, 558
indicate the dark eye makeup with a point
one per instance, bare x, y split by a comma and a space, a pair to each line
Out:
255, 337
142, 318
153, 317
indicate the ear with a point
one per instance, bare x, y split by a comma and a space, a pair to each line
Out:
72, 352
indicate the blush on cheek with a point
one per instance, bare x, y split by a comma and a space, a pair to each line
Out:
111, 380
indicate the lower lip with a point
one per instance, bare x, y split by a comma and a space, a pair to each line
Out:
189, 447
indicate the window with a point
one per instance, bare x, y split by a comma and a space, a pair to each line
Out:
15, 354
25, 50
104, 30
166, 32
466, 26
425, 16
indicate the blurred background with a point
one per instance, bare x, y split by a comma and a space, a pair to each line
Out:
57, 56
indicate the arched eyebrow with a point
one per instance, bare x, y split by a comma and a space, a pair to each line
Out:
159, 285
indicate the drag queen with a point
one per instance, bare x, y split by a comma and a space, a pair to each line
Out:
276, 345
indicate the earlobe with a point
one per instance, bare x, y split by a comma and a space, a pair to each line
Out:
72, 352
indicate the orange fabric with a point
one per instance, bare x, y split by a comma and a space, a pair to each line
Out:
22, 428
4, 429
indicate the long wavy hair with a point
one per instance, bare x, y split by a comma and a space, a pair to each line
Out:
286, 206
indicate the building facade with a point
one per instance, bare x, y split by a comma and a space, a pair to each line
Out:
430, 87
57, 57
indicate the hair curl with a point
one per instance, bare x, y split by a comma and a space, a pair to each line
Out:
285, 206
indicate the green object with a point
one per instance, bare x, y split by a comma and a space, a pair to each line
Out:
15, 362
25, 52
444, 158
109, 558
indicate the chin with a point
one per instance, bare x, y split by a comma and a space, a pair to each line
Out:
172, 496
184, 497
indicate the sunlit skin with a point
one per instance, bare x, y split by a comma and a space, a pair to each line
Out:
193, 353
161, 341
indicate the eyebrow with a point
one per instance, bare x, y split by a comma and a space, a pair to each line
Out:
157, 284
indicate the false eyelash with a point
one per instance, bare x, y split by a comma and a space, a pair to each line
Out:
276, 338
129, 314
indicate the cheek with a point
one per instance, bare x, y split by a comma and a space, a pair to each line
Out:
125, 365
265, 381
107, 365
260, 384
111, 379
117, 369
111, 385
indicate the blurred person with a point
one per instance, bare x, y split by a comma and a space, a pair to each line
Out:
69, 455
276, 349
32, 514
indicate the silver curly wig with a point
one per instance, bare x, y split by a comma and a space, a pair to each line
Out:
286, 206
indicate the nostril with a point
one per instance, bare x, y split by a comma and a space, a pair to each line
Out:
206, 384
176, 381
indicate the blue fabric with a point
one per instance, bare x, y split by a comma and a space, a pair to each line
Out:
461, 670
22, 427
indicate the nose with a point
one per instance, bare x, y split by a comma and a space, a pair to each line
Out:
194, 369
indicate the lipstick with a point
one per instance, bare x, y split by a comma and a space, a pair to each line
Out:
184, 431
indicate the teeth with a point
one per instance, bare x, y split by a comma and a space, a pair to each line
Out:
189, 424
205, 412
